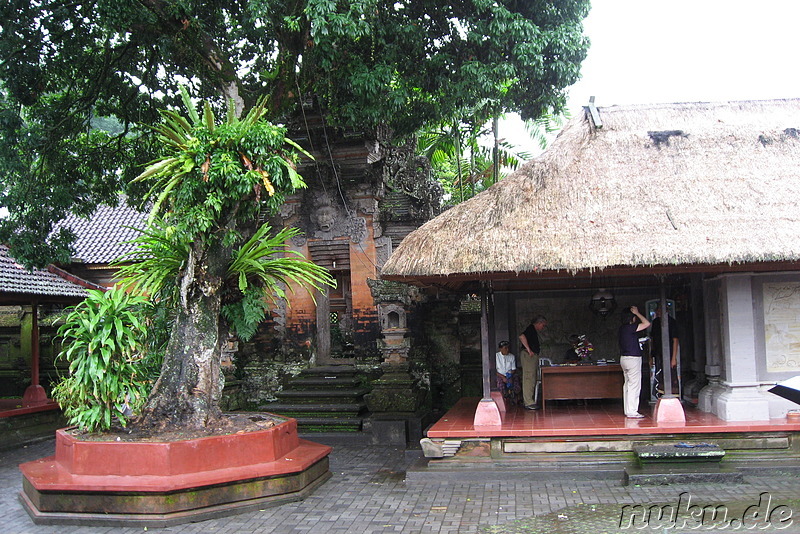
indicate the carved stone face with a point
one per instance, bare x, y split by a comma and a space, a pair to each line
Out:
325, 217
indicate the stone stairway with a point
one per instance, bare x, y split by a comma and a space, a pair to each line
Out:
679, 463
323, 399
642, 459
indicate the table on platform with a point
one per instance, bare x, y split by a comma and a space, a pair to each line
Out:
581, 382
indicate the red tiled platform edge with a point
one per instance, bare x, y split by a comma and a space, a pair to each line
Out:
167, 483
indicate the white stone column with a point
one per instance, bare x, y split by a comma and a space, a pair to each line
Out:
739, 399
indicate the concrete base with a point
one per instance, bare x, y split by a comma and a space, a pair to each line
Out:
34, 394
389, 433
397, 429
28, 424
707, 398
167, 483
487, 414
669, 410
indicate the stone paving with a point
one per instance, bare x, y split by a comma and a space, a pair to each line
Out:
368, 494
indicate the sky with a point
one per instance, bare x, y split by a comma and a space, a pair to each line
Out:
646, 51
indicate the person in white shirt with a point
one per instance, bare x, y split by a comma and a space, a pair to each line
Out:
507, 377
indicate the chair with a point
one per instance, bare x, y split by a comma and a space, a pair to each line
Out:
537, 388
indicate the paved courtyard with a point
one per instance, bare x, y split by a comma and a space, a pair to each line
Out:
368, 494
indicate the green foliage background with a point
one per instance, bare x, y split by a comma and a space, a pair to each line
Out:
77, 79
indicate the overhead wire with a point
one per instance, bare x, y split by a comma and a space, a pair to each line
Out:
333, 169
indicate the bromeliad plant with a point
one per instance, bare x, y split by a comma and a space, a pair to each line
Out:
103, 338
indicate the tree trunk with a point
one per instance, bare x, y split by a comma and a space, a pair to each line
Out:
188, 392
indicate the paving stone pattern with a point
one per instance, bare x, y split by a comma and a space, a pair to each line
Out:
368, 494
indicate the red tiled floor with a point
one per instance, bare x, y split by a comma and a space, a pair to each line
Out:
595, 419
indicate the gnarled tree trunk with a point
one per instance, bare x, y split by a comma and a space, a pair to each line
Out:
188, 392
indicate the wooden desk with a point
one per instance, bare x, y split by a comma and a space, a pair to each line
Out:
581, 382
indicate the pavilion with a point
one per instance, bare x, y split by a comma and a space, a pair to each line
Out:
690, 204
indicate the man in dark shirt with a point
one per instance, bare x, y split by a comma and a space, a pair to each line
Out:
529, 359
630, 359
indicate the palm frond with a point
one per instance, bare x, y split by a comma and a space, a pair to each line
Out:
263, 258
153, 267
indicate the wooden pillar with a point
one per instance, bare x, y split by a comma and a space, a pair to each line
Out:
668, 409
485, 353
487, 413
666, 346
34, 393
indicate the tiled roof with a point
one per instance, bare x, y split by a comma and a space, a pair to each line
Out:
15, 278
102, 238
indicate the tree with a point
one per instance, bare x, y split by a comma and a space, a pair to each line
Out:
76, 78
463, 165
203, 253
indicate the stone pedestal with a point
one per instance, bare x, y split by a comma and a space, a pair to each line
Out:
669, 411
394, 391
395, 400
487, 414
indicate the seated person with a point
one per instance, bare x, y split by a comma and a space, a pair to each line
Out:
508, 380
570, 356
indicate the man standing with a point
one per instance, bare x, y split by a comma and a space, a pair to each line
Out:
529, 359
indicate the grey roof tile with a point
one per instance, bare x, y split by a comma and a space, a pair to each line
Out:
103, 237
15, 278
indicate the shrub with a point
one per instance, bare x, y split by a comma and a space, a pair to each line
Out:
102, 341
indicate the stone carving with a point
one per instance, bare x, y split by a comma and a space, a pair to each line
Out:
781, 316
299, 240
287, 210
383, 248
411, 174
357, 229
325, 217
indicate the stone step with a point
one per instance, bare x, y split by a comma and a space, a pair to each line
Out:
431, 470
283, 408
323, 400
316, 395
331, 370
681, 452
325, 382
329, 424
659, 475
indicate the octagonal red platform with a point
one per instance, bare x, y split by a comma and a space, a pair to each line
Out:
170, 482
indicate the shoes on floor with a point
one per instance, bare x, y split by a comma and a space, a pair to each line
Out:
531, 407
634, 416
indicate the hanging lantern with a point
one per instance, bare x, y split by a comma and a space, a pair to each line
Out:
603, 303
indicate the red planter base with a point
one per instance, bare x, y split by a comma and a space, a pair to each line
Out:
167, 483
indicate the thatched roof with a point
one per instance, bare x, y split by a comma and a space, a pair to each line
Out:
671, 184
